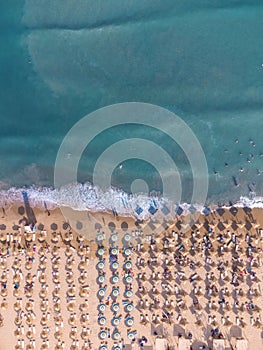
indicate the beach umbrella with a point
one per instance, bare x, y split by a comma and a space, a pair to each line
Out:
114, 251
128, 293
116, 347
84, 335
72, 320
101, 292
115, 307
129, 321
44, 334
128, 279
102, 307
43, 293
57, 307
129, 307
68, 252
18, 333
43, 306
69, 279
100, 265
17, 306
128, 265
115, 265
101, 278
44, 346
116, 335
115, 321
84, 307
18, 321
127, 251
43, 320
115, 279
103, 347
71, 292
73, 334
71, 306
115, 292
84, 292
4, 305
28, 265
82, 265
81, 251
100, 237
82, 279
42, 278
58, 335
127, 237
29, 334
103, 335
102, 320
114, 237
29, 306
101, 251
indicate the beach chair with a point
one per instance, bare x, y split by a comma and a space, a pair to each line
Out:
161, 344
218, 344
241, 344
184, 344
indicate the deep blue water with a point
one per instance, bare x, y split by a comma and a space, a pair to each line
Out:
60, 60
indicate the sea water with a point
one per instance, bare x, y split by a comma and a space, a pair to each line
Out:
60, 60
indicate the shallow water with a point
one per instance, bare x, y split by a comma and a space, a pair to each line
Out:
61, 60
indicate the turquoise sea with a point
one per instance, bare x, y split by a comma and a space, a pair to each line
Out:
60, 60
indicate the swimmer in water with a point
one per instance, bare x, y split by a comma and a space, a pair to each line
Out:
241, 170
240, 153
226, 164
236, 140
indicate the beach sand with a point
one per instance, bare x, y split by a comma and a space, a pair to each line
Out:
177, 283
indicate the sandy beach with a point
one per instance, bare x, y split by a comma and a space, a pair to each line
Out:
122, 285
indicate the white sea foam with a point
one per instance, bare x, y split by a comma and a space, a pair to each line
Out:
86, 197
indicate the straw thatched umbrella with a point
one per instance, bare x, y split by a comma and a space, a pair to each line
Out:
81, 251
44, 334
72, 320
17, 306
73, 334
71, 291
58, 335
30, 335
18, 347
18, 333
4, 292
58, 347
4, 305
57, 307
58, 320
68, 252
18, 321
44, 346
29, 306
84, 292
82, 265
43, 320
29, 319
82, 279
71, 306
84, 335
43, 306
30, 347
56, 292
42, 278
43, 293
84, 307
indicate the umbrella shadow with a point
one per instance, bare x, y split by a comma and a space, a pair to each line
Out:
29, 211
